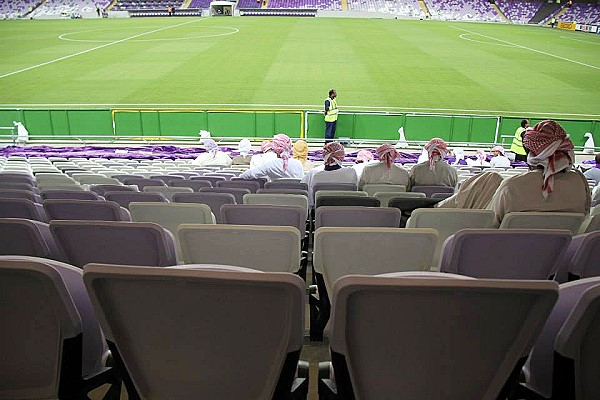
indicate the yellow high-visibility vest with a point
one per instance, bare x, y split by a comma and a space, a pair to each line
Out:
517, 143
332, 114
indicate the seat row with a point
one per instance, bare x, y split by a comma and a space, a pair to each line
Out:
224, 332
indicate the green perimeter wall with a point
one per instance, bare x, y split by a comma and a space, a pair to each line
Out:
98, 125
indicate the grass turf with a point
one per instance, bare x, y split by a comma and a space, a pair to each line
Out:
248, 62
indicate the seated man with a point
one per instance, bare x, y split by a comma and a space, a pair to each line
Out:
301, 154
333, 155
363, 158
266, 148
434, 171
594, 172
213, 156
499, 159
283, 166
551, 184
384, 171
244, 147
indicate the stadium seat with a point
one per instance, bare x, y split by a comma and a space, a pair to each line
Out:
20, 194
238, 193
212, 199
167, 191
22, 208
350, 216
252, 186
25, 237
195, 185
431, 189
372, 188
427, 352
57, 194
542, 220
98, 210
49, 332
583, 255
123, 198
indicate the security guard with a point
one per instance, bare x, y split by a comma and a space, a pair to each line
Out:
331, 115
517, 143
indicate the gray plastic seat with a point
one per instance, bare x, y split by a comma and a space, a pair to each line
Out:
583, 256
564, 361
25, 237
167, 191
123, 198
286, 185
504, 254
357, 216
429, 190
22, 208
20, 194
252, 186
401, 337
56, 194
238, 193
542, 220
260, 214
141, 183
124, 243
266, 248
211, 199
49, 332
346, 201
98, 210
232, 333
195, 185
102, 189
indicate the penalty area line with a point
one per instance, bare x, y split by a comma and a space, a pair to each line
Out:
528, 48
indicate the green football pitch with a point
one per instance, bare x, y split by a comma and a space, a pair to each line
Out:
262, 62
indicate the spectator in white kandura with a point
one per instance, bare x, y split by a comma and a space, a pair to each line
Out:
434, 171
499, 159
244, 147
363, 158
594, 172
266, 148
384, 171
333, 172
213, 156
283, 166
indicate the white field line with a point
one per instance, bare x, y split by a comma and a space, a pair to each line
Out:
251, 106
582, 41
529, 48
95, 48
464, 37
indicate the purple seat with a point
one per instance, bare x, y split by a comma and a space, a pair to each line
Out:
19, 186
261, 181
340, 216
17, 178
256, 316
49, 331
506, 254
583, 255
238, 193
141, 183
22, 208
123, 243
286, 185
102, 189
25, 237
394, 337
430, 190
195, 185
214, 200
167, 178
20, 194
96, 210
124, 198
564, 361
252, 186
212, 179
57, 194
347, 201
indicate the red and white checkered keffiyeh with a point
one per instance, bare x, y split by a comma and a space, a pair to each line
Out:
387, 154
364, 156
282, 146
549, 147
436, 151
333, 153
265, 146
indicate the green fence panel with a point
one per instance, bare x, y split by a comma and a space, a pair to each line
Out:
483, 130
264, 125
228, 124
461, 129
315, 128
128, 123
90, 123
576, 130
288, 123
183, 123
6, 120
60, 123
377, 126
38, 122
425, 127
150, 123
